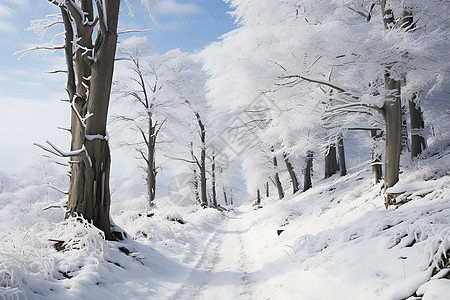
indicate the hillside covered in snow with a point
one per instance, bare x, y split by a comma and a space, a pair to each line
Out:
335, 241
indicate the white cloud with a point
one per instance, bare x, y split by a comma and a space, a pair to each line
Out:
173, 8
6, 12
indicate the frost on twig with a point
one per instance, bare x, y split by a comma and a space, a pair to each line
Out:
40, 27
41, 47
58, 189
123, 31
58, 152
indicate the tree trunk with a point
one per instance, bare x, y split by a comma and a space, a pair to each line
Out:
391, 114
405, 139
418, 143
89, 193
376, 157
331, 165
225, 196
341, 153
202, 166
151, 170
307, 183
195, 184
294, 180
277, 179
392, 117
258, 197
203, 195
213, 181
267, 190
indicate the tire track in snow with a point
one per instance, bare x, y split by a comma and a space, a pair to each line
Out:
228, 275
197, 276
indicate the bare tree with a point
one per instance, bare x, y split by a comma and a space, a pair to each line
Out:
146, 124
294, 180
90, 67
276, 177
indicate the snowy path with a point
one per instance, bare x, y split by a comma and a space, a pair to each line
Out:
223, 270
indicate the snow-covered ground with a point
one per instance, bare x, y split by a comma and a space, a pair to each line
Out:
335, 241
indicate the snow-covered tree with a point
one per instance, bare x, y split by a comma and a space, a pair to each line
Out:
158, 87
327, 66
90, 39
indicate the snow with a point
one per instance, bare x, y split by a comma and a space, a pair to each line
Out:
334, 241
337, 242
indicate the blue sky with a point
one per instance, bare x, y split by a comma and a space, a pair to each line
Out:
30, 109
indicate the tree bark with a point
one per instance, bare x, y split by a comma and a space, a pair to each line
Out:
392, 117
294, 180
202, 166
331, 165
277, 179
89, 194
151, 164
405, 139
376, 158
307, 183
341, 154
418, 143
213, 181
195, 184
391, 113
225, 196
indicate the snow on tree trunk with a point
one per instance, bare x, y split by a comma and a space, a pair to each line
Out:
418, 143
307, 183
376, 156
392, 114
89, 194
341, 154
331, 164
405, 139
277, 179
151, 172
202, 165
294, 180
417, 124
213, 181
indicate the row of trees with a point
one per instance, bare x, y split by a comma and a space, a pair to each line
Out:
325, 68
168, 112
164, 117
289, 83
89, 44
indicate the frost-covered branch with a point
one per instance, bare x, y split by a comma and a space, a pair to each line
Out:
333, 86
40, 27
35, 48
124, 31
58, 152
66, 192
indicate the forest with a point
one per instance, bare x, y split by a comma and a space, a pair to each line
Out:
309, 147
